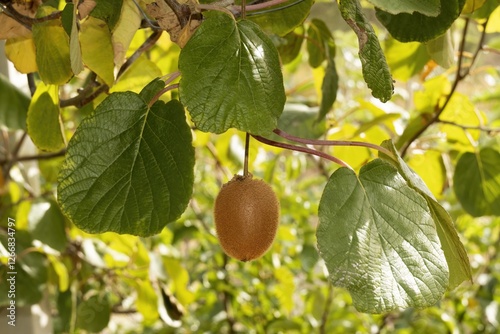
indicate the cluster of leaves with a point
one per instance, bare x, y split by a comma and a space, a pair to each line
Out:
129, 165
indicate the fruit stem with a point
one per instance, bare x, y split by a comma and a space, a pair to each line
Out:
293, 138
302, 149
245, 163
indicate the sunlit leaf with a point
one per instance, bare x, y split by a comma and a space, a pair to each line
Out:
125, 29
21, 52
454, 251
418, 27
231, 77
378, 239
405, 59
129, 167
97, 50
477, 182
54, 65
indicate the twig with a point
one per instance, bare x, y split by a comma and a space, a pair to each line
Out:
47, 156
326, 312
303, 150
245, 163
458, 78
472, 127
161, 92
181, 11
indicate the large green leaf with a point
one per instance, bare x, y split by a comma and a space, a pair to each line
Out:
426, 7
13, 106
454, 250
231, 77
378, 239
52, 49
418, 27
375, 69
129, 168
283, 18
477, 182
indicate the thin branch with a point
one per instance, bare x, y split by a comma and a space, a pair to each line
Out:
245, 163
326, 312
303, 150
458, 78
181, 11
161, 92
46, 156
472, 127
290, 137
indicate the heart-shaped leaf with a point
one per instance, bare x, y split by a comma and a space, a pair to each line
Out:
378, 239
231, 77
129, 167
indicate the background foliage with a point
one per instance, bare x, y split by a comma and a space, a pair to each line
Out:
442, 117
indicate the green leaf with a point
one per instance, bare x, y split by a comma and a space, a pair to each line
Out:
329, 89
275, 20
151, 89
290, 45
375, 69
97, 50
109, 11
93, 314
454, 250
43, 121
301, 121
14, 105
54, 65
129, 168
320, 43
418, 27
46, 223
231, 77
405, 59
477, 182
378, 239
441, 50
426, 7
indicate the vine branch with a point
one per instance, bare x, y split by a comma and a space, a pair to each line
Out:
458, 78
302, 149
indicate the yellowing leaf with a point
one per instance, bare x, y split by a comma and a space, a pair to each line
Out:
97, 51
472, 5
74, 44
13, 29
137, 76
494, 22
429, 166
52, 50
21, 52
43, 120
125, 29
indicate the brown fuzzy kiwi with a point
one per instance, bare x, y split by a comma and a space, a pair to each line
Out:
246, 217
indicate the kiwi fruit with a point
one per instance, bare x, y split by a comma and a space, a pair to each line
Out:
246, 216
